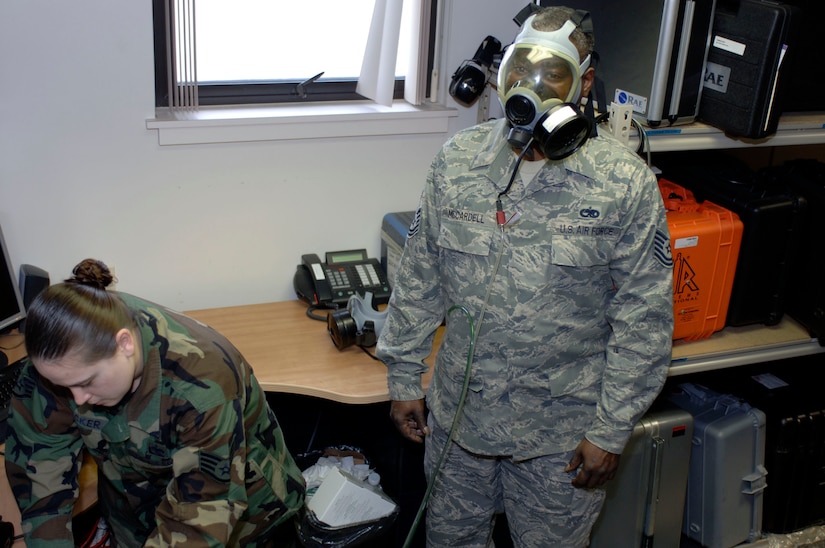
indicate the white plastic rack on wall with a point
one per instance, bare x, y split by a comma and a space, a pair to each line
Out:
734, 346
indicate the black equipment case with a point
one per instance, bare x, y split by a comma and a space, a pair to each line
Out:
772, 216
745, 77
807, 71
806, 292
646, 499
794, 498
652, 55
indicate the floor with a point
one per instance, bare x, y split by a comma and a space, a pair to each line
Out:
811, 537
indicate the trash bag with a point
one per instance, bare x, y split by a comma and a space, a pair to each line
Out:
312, 532
315, 534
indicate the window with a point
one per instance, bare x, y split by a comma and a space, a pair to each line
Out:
259, 51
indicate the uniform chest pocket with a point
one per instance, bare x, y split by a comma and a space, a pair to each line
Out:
470, 238
580, 251
139, 459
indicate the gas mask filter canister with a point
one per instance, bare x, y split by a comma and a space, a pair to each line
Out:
535, 70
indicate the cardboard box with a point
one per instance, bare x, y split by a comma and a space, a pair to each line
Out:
342, 500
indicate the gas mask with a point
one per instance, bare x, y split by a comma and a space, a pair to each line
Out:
535, 71
359, 324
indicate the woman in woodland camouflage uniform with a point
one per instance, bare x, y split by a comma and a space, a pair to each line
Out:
187, 449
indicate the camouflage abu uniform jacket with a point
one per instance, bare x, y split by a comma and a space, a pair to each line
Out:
193, 457
576, 337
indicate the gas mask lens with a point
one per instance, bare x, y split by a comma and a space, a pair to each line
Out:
538, 71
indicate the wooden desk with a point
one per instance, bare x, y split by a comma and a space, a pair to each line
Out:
13, 346
292, 353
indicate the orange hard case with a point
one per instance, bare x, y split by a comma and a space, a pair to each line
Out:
704, 240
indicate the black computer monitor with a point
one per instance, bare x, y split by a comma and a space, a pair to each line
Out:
12, 310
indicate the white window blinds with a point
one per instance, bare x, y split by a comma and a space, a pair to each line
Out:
181, 59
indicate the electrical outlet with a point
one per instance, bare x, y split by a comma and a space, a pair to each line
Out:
113, 270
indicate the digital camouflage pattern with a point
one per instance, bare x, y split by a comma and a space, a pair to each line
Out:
194, 457
542, 509
576, 336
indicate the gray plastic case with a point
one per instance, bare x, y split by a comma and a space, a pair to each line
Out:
727, 475
646, 499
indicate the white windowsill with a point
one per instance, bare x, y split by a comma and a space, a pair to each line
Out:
230, 124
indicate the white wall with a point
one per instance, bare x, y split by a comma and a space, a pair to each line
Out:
191, 226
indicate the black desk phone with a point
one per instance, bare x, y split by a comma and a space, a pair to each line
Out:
341, 275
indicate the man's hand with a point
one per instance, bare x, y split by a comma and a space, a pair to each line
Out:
409, 418
597, 465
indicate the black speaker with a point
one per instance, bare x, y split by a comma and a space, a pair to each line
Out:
32, 281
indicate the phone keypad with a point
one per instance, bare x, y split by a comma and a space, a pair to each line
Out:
338, 278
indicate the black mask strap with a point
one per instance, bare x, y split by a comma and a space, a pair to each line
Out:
525, 12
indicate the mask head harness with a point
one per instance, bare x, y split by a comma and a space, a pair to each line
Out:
359, 324
536, 68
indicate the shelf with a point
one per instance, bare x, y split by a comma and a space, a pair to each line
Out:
734, 346
794, 129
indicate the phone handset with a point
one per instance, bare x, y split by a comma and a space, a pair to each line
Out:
321, 286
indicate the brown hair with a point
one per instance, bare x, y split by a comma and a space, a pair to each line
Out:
77, 315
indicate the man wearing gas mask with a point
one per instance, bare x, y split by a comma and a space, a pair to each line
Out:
546, 249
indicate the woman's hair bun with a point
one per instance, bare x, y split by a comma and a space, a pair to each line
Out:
93, 273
